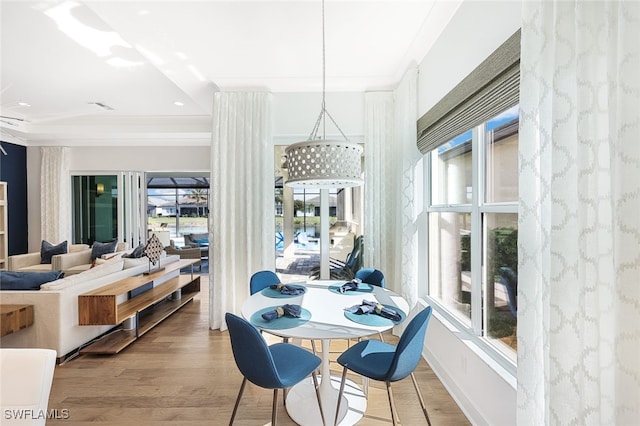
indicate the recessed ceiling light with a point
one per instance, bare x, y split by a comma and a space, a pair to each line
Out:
178, 103
24, 104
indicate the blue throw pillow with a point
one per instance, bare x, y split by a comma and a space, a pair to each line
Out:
12, 280
202, 241
47, 250
98, 249
137, 253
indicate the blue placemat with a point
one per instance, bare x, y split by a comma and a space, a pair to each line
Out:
375, 320
281, 323
362, 288
275, 293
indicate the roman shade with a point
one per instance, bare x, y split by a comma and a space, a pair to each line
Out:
490, 89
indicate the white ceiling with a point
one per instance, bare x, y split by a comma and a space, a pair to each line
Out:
155, 53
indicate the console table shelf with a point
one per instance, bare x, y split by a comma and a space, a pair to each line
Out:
149, 308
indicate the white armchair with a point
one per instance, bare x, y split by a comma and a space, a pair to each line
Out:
26, 376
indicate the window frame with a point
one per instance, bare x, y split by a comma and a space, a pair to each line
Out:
474, 332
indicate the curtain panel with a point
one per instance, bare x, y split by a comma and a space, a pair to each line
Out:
409, 196
55, 194
241, 223
380, 175
579, 226
390, 199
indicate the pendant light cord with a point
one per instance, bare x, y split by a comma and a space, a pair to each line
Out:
323, 110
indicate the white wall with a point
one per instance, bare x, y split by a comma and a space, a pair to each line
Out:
140, 158
485, 393
475, 31
295, 114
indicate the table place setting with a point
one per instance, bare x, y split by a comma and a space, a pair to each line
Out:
280, 317
283, 291
374, 313
352, 287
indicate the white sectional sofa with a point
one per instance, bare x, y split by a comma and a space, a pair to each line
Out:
56, 306
30, 262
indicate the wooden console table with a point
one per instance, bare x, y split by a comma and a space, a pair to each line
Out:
148, 308
14, 318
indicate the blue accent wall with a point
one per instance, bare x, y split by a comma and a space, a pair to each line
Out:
13, 170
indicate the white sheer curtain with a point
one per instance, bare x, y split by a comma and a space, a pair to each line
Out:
579, 231
391, 156
55, 194
408, 196
381, 163
242, 199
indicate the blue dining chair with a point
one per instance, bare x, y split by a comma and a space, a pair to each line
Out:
278, 366
261, 280
371, 276
387, 363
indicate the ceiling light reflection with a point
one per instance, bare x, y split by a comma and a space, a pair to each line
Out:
99, 42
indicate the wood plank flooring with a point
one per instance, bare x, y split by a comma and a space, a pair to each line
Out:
182, 373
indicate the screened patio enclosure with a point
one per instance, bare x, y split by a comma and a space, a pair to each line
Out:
177, 204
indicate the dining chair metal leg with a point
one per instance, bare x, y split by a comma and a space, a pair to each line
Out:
342, 382
235, 408
314, 375
274, 408
424, 408
394, 416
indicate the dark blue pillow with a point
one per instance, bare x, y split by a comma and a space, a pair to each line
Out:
47, 250
98, 249
137, 253
13, 280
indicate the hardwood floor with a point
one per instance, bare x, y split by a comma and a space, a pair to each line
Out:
182, 373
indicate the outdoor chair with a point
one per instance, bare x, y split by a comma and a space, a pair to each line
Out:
509, 279
185, 253
346, 270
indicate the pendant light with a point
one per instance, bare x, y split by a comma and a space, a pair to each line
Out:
321, 163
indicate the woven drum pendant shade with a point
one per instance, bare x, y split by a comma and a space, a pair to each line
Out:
324, 164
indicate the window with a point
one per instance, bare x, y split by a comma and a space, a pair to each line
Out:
473, 229
177, 204
469, 140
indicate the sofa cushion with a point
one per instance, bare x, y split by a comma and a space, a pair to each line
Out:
40, 267
98, 249
12, 280
77, 269
91, 274
47, 250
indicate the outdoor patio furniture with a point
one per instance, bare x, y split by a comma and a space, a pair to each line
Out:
185, 253
199, 240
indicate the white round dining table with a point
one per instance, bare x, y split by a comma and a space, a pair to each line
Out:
325, 320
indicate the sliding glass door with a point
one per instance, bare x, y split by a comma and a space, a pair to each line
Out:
95, 208
108, 207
